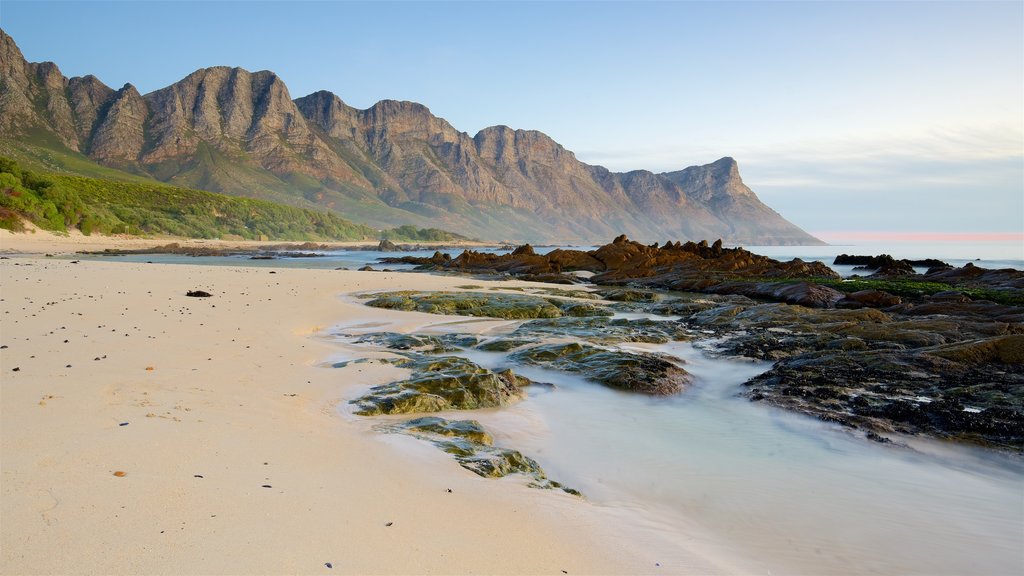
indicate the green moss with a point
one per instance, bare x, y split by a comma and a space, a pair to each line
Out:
629, 372
473, 448
492, 305
445, 383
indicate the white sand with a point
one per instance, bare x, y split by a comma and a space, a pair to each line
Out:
237, 394
39, 241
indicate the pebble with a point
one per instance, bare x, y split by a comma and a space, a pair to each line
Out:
120, 474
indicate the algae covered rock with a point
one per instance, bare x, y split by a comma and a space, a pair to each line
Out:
445, 383
473, 448
489, 304
426, 344
470, 430
631, 372
604, 330
503, 344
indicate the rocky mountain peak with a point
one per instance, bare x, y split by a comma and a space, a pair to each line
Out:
230, 130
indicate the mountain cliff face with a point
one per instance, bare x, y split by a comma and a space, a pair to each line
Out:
238, 132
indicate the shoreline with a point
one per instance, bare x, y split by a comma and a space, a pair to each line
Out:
39, 241
236, 401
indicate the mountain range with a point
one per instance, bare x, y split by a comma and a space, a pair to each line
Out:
237, 132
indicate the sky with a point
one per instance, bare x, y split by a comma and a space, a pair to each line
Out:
845, 117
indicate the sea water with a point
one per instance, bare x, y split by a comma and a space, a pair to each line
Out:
985, 255
785, 493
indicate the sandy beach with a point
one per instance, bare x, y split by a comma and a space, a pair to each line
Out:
38, 241
144, 432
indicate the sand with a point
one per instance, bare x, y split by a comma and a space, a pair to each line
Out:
231, 434
39, 241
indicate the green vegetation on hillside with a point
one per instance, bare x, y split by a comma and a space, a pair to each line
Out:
410, 233
61, 202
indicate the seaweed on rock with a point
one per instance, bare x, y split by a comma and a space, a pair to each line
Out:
442, 383
474, 449
630, 372
492, 305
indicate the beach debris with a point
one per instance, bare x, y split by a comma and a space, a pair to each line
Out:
120, 473
266, 486
198, 294
4, 347
328, 564
150, 368
16, 369
389, 523
197, 475
123, 424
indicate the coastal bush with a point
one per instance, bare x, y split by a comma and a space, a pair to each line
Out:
410, 233
60, 202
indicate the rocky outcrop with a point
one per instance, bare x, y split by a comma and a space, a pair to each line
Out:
239, 132
438, 384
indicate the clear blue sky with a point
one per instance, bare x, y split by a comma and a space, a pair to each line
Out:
843, 115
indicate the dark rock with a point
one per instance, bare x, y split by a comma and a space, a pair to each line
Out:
387, 246
631, 372
198, 294
488, 304
473, 448
868, 298
445, 383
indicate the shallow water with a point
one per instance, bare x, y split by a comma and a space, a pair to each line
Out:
786, 493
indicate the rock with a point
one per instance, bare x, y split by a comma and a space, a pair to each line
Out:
643, 373
445, 383
367, 268
499, 182
884, 261
601, 330
420, 343
1008, 349
493, 305
807, 294
473, 448
387, 246
868, 298
198, 294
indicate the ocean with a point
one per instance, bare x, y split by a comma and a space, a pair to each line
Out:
986, 255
